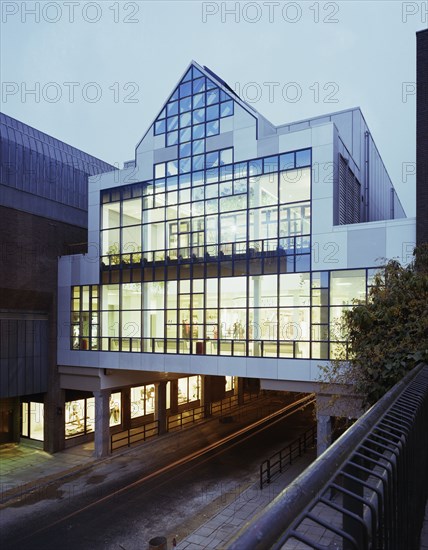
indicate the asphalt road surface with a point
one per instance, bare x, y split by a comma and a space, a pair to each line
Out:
169, 501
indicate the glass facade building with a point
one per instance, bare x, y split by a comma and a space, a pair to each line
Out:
212, 256
231, 248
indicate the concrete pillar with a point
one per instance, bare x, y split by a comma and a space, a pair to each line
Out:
206, 395
323, 432
54, 401
160, 406
54, 416
173, 397
239, 389
126, 408
102, 423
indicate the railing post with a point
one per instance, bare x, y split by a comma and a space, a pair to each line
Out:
350, 526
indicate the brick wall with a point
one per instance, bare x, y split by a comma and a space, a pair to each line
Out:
29, 249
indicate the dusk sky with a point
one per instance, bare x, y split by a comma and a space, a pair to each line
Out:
95, 74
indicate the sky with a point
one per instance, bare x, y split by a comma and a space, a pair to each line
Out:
96, 74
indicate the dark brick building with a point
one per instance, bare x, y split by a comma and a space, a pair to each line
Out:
422, 138
43, 211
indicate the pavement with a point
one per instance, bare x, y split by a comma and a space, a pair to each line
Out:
220, 528
28, 470
22, 466
23, 469
25, 466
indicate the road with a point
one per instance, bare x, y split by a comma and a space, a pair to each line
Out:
168, 501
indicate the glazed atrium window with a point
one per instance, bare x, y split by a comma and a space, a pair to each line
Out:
211, 254
214, 258
261, 206
290, 315
193, 112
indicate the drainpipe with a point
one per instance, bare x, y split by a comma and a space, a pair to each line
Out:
367, 175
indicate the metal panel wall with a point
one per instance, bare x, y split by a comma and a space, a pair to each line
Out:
23, 356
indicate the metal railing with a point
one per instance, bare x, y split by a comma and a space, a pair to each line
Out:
217, 408
366, 491
182, 419
279, 461
139, 434
134, 435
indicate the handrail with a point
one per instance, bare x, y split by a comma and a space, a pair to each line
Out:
190, 416
134, 435
274, 464
374, 476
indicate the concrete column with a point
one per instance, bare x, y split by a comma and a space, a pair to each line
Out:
126, 408
239, 389
54, 429
323, 433
102, 423
206, 395
173, 398
160, 406
54, 401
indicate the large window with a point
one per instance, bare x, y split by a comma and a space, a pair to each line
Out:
115, 409
273, 315
121, 227
345, 288
84, 317
259, 207
79, 417
189, 389
213, 257
32, 420
193, 112
142, 400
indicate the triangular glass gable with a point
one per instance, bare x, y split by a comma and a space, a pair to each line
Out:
196, 72
192, 113
188, 75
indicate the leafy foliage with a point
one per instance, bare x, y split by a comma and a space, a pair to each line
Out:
387, 335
